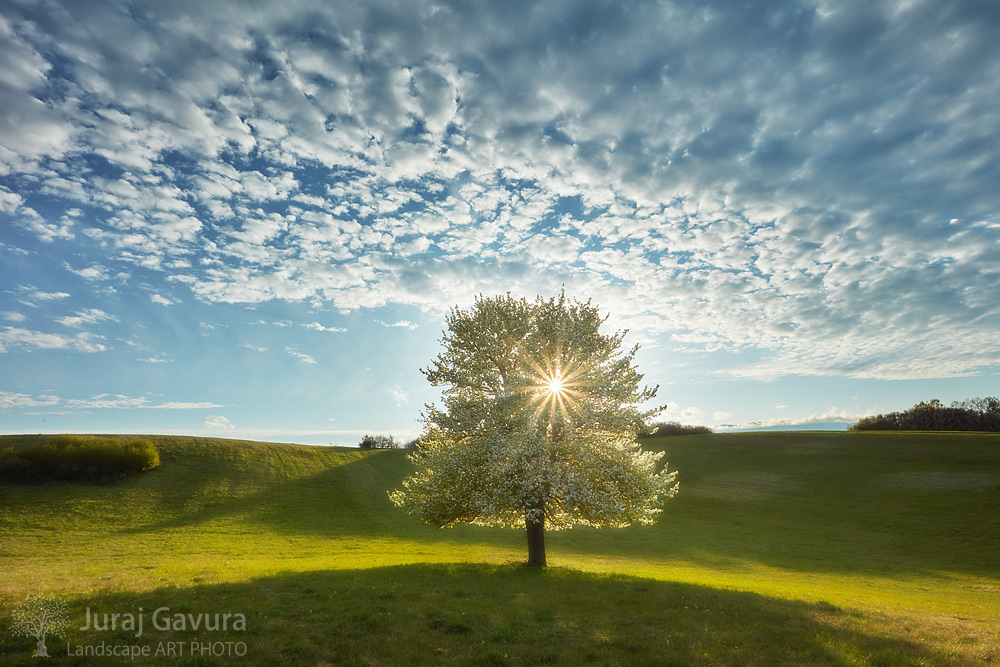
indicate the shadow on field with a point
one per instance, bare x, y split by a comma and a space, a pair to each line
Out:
793, 508
482, 615
349, 499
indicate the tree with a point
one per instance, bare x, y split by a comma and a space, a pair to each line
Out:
538, 425
39, 616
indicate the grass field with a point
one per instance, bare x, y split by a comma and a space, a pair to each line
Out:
781, 549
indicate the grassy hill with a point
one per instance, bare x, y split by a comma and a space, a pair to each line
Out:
781, 548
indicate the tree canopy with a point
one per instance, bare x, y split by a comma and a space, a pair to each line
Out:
538, 424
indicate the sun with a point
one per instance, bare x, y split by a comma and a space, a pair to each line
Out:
555, 385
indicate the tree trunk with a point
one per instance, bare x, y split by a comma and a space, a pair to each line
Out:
536, 542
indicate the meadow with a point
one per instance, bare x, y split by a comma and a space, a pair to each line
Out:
781, 548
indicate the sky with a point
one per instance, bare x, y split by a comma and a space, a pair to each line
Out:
249, 219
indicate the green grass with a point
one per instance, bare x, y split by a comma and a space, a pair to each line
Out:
781, 548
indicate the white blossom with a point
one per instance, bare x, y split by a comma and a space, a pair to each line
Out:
538, 424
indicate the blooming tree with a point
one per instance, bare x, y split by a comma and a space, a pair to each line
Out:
538, 424
38, 616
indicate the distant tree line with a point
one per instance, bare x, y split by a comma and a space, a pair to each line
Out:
661, 429
386, 442
973, 414
379, 442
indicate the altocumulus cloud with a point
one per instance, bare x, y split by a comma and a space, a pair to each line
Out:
816, 180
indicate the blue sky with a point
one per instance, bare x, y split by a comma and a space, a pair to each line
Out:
249, 219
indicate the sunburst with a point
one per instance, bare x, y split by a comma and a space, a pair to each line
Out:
556, 388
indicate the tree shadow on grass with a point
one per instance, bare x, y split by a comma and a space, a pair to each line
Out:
474, 614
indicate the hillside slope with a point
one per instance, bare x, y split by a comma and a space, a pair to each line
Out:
903, 524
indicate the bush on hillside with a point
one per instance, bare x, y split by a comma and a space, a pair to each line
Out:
379, 442
974, 414
661, 429
73, 458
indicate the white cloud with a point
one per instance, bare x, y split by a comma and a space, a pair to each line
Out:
831, 415
109, 402
162, 300
155, 360
398, 395
30, 295
178, 405
305, 358
86, 316
405, 324
218, 422
95, 272
688, 415
45, 230
817, 186
13, 337
9, 201
12, 400
692, 415
316, 326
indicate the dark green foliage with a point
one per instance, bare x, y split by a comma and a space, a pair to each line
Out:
661, 429
973, 414
74, 458
379, 442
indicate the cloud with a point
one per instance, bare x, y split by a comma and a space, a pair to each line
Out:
831, 415
95, 272
45, 230
14, 337
32, 296
305, 358
177, 405
12, 400
218, 422
123, 402
85, 317
397, 394
162, 300
691, 415
688, 415
155, 360
405, 324
316, 326
814, 183
109, 402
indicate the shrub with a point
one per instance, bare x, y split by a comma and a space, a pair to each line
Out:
73, 458
674, 428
